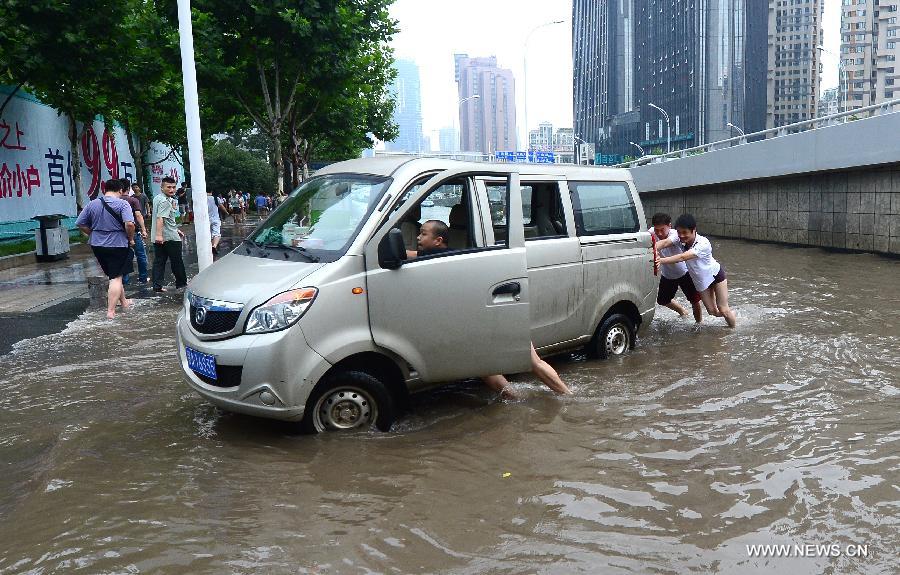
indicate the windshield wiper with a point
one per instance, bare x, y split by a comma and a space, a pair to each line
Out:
265, 254
297, 249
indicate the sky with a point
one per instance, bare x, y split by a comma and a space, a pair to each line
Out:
431, 31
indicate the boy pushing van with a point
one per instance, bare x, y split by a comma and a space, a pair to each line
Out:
707, 274
674, 275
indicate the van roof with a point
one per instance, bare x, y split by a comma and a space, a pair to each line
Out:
388, 166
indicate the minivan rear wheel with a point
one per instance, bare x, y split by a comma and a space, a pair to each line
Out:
615, 336
347, 400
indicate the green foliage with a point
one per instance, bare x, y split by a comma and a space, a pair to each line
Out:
311, 74
657, 151
229, 167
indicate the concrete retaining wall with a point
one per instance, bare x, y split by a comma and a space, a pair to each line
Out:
848, 209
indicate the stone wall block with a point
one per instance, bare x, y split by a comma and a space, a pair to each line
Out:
814, 221
827, 202
838, 240
852, 202
867, 224
840, 223
852, 223
867, 202
882, 243
882, 225
882, 202
866, 242
894, 225
840, 202
802, 237
853, 242
793, 201
827, 223
894, 246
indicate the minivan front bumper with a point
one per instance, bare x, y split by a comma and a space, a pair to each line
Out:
270, 375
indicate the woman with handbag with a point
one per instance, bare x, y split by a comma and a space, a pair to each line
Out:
109, 223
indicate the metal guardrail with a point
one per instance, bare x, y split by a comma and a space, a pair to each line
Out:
796, 128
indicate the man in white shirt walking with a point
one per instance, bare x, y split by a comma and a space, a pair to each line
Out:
674, 275
707, 274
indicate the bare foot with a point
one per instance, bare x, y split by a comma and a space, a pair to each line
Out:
508, 394
110, 315
127, 305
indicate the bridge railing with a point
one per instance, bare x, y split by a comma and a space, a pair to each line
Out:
886, 107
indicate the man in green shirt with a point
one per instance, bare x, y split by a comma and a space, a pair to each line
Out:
166, 237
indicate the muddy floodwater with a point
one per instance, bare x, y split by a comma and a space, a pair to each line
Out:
673, 459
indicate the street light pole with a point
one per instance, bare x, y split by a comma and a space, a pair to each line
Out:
525, 72
736, 128
668, 131
841, 73
459, 132
195, 142
639, 148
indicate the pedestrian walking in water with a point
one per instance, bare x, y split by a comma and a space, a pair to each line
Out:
109, 224
707, 274
215, 223
166, 238
675, 275
140, 233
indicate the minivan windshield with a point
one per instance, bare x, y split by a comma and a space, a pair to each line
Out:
319, 219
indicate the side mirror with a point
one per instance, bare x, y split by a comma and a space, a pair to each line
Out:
392, 250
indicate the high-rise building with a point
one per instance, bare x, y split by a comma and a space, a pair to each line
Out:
870, 45
542, 138
487, 122
702, 61
449, 139
828, 103
408, 111
794, 61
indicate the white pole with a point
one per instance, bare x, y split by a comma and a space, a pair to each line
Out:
195, 142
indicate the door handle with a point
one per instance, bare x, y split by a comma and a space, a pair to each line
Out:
511, 288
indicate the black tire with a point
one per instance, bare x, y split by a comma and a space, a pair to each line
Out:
349, 399
614, 336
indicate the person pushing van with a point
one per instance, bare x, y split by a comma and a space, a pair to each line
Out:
432, 239
707, 274
674, 275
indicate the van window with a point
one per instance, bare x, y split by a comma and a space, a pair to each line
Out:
542, 211
322, 217
603, 208
449, 203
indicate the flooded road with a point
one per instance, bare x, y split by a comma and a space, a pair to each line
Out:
672, 459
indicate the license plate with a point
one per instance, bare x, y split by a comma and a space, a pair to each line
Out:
202, 363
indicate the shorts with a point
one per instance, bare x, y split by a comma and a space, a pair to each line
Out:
115, 262
668, 288
719, 277
215, 229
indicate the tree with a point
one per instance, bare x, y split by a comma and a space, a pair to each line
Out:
228, 167
340, 129
150, 105
298, 58
68, 54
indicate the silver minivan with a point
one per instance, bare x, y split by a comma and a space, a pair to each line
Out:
320, 317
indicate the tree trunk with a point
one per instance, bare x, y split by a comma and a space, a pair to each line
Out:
279, 160
137, 154
81, 199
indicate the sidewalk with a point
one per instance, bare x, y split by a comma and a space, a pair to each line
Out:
41, 298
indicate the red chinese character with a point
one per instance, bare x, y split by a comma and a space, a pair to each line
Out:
32, 178
5, 130
5, 182
90, 151
110, 154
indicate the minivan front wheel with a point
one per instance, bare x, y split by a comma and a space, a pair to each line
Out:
615, 336
346, 400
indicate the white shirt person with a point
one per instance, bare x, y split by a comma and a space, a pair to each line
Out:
707, 274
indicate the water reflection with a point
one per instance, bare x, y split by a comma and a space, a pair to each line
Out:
671, 459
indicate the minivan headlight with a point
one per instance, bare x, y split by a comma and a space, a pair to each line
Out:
281, 311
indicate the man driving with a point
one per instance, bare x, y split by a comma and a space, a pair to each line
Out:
432, 239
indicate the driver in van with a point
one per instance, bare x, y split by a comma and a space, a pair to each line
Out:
432, 239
